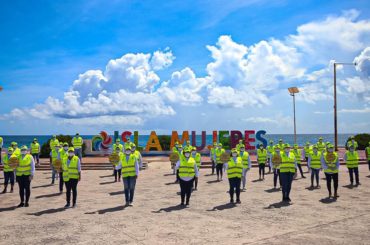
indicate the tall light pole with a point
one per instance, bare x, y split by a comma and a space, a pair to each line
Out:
335, 103
293, 91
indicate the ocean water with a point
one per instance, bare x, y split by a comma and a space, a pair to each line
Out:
143, 139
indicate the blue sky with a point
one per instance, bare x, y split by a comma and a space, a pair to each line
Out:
182, 65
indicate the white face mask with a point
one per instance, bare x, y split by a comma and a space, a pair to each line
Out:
351, 149
187, 155
117, 152
180, 149
65, 148
57, 148
330, 150
133, 149
71, 154
235, 154
23, 152
127, 152
315, 151
241, 150
287, 151
193, 152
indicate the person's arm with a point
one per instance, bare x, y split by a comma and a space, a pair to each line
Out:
249, 162
226, 166
79, 166
345, 157
177, 165
137, 168
309, 162
32, 167
140, 160
323, 163
39, 149
196, 170
295, 162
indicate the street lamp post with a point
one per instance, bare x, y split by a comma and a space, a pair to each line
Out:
293, 91
335, 103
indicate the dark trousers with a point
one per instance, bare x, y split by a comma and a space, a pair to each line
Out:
1, 155
185, 189
71, 185
300, 170
261, 170
286, 182
36, 157
268, 164
61, 182
234, 184
8, 177
129, 184
219, 170
276, 176
24, 184
330, 177
355, 170
214, 166
315, 174
368, 162
117, 173
196, 182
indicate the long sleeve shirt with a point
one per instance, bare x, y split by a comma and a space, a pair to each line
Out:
324, 166
226, 167
187, 178
137, 167
78, 164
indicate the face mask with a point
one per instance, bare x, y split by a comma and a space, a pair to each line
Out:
277, 151
235, 154
193, 152
330, 150
133, 149
57, 148
241, 150
180, 149
351, 150
287, 152
187, 155
23, 152
65, 148
315, 151
117, 152
127, 152
71, 154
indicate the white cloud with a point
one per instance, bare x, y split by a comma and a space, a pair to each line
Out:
278, 120
105, 120
161, 60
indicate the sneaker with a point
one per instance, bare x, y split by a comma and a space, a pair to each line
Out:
74, 205
130, 204
20, 205
238, 202
187, 204
67, 205
127, 204
11, 190
231, 200
303, 177
4, 191
26, 205
182, 204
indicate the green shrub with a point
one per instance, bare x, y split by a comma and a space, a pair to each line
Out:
362, 140
45, 148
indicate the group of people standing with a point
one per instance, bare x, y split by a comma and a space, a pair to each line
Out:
281, 159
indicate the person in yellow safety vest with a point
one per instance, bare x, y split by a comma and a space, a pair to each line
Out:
53, 142
198, 160
331, 170
62, 155
261, 159
130, 173
351, 158
276, 167
288, 168
114, 147
367, 153
77, 143
71, 166
298, 157
314, 162
181, 155
137, 154
246, 161
1, 146
212, 155
307, 150
16, 150
35, 151
281, 145
320, 145
174, 148
8, 171
219, 163
234, 168
188, 145
188, 170
270, 151
54, 156
240, 145
118, 167
127, 143
353, 142
24, 175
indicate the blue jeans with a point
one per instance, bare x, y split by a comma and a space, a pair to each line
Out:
129, 188
315, 173
78, 152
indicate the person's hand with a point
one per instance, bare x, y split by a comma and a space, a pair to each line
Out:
137, 176
79, 178
31, 177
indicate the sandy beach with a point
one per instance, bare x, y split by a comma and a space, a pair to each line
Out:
156, 217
